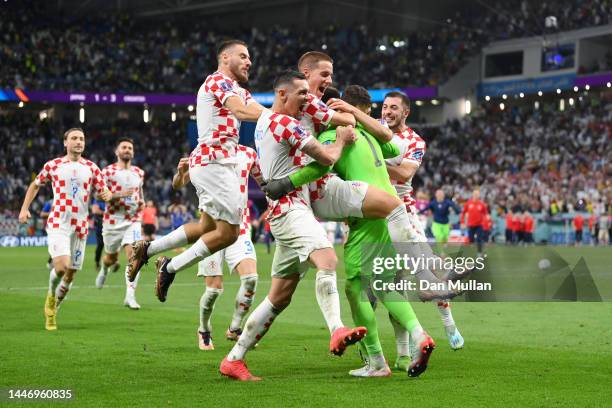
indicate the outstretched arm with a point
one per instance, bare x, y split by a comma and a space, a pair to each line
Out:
24, 214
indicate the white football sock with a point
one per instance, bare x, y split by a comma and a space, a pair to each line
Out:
445, 313
405, 243
61, 292
131, 286
191, 256
54, 280
255, 328
377, 361
244, 299
175, 239
328, 299
207, 304
402, 337
104, 269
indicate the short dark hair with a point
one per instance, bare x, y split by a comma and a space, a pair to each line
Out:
330, 93
287, 77
357, 95
401, 95
124, 139
74, 129
224, 45
312, 57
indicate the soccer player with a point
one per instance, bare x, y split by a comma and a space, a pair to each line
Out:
44, 214
395, 111
221, 105
363, 162
282, 145
240, 256
440, 207
72, 178
123, 215
578, 226
150, 223
474, 210
97, 213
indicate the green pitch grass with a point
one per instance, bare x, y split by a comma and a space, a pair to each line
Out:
516, 354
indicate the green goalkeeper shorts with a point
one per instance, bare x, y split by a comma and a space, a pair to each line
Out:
440, 231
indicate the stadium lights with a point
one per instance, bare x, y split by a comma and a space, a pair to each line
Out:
190, 108
536, 105
502, 106
145, 115
571, 101
324, 47
173, 116
435, 102
562, 105
609, 85
504, 96
575, 89
82, 115
487, 98
558, 91
419, 103
587, 87
522, 95
539, 93
20, 104
468, 106
42, 115
382, 48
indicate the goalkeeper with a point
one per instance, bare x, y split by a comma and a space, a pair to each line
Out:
369, 238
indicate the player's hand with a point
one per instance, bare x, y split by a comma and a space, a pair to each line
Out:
346, 134
183, 166
276, 189
340, 105
105, 195
24, 216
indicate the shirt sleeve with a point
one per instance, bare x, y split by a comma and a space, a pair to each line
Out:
98, 180
296, 136
415, 152
318, 111
327, 137
389, 150
44, 176
221, 88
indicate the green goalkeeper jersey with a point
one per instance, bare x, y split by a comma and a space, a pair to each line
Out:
364, 160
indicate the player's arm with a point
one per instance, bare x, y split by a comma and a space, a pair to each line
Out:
329, 154
249, 113
430, 206
373, 126
389, 150
402, 172
24, 213
276, 189
181, 177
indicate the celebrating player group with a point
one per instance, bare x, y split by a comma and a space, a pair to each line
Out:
316, 161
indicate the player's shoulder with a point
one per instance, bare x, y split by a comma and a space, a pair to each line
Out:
218, 80
283, 120
137, 170
88, 163
54, 163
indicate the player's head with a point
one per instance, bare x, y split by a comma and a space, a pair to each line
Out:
440, 194
234, 59
290, 92
395, 109
359, 97
318, 67
124, 149
476, 194
330, 93
150, 203
74, 141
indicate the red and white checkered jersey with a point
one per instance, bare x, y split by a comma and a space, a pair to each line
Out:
247, 165
122, 211
279, 139
412, 148
315, 115
218, 128
71, 182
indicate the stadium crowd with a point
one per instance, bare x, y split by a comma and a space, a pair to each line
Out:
542, 160
120, 54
